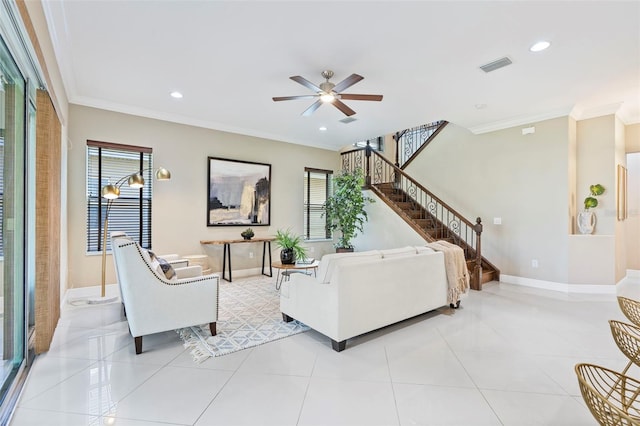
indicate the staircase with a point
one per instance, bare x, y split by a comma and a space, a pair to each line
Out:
431, 218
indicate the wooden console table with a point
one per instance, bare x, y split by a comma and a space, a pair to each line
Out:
226, 256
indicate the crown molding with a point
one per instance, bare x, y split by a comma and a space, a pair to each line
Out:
519, 121
189, 121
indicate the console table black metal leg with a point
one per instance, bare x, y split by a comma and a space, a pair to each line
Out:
264, 252
226, 261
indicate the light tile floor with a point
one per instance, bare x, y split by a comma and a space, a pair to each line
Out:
506, 357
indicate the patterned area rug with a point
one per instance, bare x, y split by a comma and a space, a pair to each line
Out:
248, 315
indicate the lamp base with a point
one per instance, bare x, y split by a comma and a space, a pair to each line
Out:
102, 300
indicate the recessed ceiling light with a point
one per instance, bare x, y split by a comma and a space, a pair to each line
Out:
480, 106
322, 129
176, 95
540, 46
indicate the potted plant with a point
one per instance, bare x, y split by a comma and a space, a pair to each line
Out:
344, 209
247, 234
587, 218
291, 247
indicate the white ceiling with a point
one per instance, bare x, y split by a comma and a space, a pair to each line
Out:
229, 58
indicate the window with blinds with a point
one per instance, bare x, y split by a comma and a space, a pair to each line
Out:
377, 144
317, 187
131, 211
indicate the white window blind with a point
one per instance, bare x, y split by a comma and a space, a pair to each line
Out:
131, 212
317, 187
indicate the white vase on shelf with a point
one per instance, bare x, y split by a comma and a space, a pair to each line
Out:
586, 222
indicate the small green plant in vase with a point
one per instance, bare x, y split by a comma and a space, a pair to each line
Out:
247, 234
291, 247
587, 219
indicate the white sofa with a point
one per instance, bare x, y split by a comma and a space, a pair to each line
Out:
153, 303
354, 293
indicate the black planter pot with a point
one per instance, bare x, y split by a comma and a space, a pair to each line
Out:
287, 257
344, 249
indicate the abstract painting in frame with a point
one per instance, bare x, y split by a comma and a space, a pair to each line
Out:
238, 193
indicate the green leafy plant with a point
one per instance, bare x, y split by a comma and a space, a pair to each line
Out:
288, 240
247, 233
591, 201
345, 208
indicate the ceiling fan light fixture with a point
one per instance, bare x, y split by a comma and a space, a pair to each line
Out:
327, 98
329, 93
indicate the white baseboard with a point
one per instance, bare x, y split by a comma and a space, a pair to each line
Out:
554, 286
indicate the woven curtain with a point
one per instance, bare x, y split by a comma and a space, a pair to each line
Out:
48, 156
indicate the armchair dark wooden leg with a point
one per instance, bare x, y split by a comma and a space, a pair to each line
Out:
286, 318
338, 346
138, 342
212, 327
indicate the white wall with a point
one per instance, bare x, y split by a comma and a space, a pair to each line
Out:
179, 205
596, 159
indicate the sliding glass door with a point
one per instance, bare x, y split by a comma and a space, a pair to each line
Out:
13, 138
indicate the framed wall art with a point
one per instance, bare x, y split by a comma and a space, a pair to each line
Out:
238, 193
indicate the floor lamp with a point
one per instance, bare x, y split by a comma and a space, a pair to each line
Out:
111, 192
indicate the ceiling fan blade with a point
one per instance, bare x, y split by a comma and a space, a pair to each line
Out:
347, 82
355, 97
289, 98
314, 106
342, 107
306, 83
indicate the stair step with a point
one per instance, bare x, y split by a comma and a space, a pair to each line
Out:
424, 223
488, 276
415, 214
407, 206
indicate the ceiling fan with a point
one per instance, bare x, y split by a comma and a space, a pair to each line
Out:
327, 92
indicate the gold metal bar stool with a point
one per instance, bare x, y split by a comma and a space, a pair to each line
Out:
611, 397
627, 337
630, 308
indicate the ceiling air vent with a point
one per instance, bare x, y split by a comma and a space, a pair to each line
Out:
348, 120
498, 63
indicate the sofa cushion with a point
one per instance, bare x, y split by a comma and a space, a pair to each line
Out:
397, 252
330, 261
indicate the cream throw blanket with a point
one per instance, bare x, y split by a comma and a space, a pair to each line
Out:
456, 268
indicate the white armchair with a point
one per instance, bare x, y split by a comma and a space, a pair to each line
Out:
154, 303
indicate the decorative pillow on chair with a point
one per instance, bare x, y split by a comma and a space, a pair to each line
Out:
162, 265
